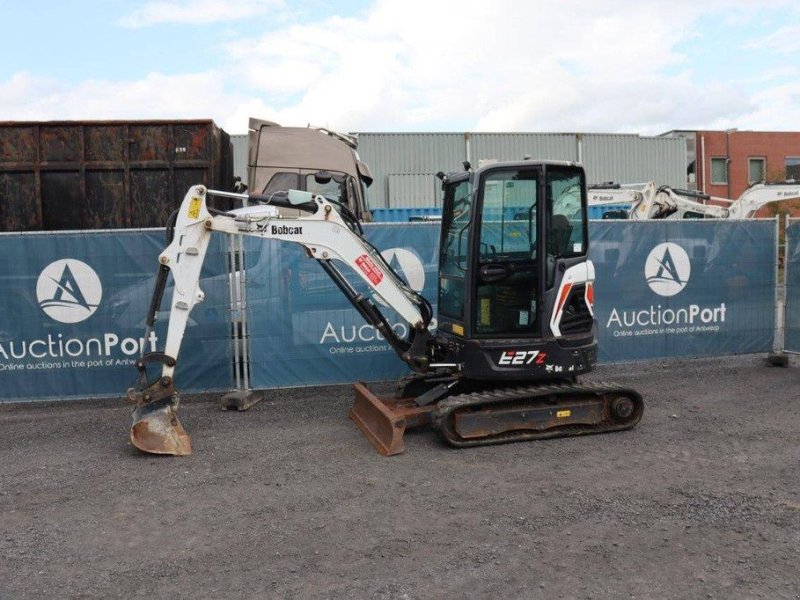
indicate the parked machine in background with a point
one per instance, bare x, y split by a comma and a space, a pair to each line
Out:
614, 201
670, 203
515, 309
645, 201
284, 158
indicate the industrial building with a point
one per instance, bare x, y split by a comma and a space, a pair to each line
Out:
404, 164
96, 174
726, 163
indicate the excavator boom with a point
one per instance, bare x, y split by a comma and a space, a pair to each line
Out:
326, 237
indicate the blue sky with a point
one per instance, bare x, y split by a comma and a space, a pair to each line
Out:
391, 65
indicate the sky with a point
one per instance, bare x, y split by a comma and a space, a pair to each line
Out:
604, 66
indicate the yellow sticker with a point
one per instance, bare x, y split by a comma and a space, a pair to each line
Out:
562, 414
486, 311
194, 208
458, 329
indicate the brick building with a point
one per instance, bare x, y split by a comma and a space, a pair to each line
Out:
726, 163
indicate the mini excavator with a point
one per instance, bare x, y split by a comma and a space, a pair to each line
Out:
515, 309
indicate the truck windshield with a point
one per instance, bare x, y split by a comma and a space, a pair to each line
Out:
332, 189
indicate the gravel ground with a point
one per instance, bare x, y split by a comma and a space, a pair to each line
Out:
701, 500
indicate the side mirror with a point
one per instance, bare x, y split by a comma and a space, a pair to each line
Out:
322, 177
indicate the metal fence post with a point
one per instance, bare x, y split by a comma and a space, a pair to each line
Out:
242, 397
778, 357
237, 377
245, 333
786, 254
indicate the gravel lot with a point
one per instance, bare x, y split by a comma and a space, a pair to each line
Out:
701, 500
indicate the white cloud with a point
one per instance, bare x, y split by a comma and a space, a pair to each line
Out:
785, 40
775, 109
533, 66
157, 96
196, 11
610, 66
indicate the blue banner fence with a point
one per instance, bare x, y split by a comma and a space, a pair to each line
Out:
72, 311
684, 288
72, 305
791, 275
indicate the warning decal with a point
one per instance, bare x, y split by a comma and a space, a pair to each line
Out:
370, 269
194, 208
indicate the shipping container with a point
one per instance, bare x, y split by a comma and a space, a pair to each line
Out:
405, 215
57, 175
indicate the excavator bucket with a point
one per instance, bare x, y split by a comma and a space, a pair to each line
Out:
384, 421
156, 428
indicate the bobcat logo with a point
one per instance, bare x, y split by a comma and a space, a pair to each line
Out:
667, 269
69, 291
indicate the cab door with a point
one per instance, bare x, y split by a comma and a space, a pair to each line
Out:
455, 255
507, 274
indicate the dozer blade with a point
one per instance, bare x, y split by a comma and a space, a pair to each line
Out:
383, 422
157, 430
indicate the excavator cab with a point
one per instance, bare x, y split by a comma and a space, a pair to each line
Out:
515, 284
515, 319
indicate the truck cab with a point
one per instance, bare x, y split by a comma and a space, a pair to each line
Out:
310, 159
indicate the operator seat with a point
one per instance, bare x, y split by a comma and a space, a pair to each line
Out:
560, 234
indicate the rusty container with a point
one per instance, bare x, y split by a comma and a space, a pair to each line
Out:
57, 175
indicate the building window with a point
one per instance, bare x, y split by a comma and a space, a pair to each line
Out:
793, 167
719, 171
756, 170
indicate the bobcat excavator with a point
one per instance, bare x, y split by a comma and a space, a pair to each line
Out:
670, 203
515, 310
647, 201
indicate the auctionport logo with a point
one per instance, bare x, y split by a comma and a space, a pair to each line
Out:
667, 269
410, 268
406, 264
69, 291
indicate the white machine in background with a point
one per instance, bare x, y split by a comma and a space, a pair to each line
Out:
670, 203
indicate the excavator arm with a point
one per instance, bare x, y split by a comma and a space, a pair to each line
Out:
668, 202
761, 194
326, 236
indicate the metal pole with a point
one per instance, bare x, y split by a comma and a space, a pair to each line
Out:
786, 250
778, 342
702, 162
222, 194
233, 312
243, 315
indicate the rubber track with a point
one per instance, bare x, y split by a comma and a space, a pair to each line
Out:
605, 392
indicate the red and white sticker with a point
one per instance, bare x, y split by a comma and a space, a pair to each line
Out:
370, 269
